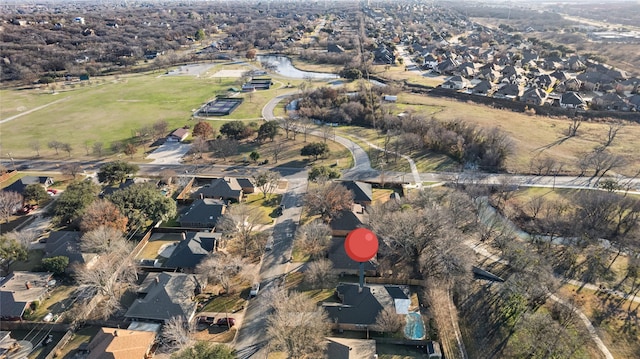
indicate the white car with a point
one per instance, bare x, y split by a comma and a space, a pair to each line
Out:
254, 290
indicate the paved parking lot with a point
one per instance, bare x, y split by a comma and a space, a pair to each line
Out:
169, 153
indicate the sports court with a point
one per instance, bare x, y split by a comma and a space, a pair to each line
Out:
221, 106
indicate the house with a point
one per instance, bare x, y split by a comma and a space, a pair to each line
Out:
342, 264
482, 88
347, 220
116, 343
346, 348
19, 185
247, 185
226, 188
203, 213
335, 48
534, 96
430, 61
178, 135
192, 249
572, 100
19, 289
544, 81
362, 192
570, 84
508, 91
446, 66
611, 102
634, 101
456, 83
358, 308
162, 296
67, 244
383, 55
593, 80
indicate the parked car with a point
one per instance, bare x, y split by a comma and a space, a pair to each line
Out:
269, 245
47, 340
52, 191
206, 320
254, 290
229, 322
27, 208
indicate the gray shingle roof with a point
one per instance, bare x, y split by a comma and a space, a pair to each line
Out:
225, 188
166, 295
192, 250
362, 191
203, 213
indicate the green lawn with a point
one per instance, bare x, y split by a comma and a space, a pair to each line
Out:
112, 110
226, 303
55, 302
266, 206
34, 260
151, 249
83, 335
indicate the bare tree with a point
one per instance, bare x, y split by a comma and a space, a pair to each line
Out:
167, 175
9, 203
159, 129
200, 145
276, 149
98, 148
289, 125
35, 145
305, 125
24, 237
224, 147
542, 165
320, 274
56, 145
239, 222
389, 321
221, 268
177, 334
72, 169
67, 148
106, 277
574, 126
328, 133
612, 132
314, 238
298, 326
328, 200
105, 240
267, 181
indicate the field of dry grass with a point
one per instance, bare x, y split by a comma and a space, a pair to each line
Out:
534, 135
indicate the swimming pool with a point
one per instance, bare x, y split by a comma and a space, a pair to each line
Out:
414, 329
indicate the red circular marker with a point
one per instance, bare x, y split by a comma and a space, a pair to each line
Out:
361, 245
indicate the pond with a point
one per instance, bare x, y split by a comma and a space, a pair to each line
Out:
414, 329
284, 67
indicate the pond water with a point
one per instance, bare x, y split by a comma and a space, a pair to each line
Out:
414, 329
285, 68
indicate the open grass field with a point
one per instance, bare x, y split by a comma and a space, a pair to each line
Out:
534, 135
111, 109
398, 73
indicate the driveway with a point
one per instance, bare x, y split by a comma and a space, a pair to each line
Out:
169, 153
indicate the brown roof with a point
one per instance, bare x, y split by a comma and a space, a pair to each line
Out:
112, 343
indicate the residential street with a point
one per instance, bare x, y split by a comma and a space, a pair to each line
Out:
251, 339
